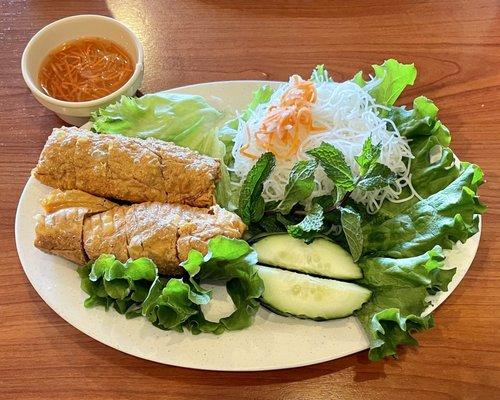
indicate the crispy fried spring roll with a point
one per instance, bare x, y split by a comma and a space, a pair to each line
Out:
60, 232
162, 232
59, 199
124, 168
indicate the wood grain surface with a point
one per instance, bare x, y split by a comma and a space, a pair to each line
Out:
456, 47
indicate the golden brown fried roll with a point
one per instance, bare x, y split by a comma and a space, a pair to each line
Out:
59, 199
105, 233
60, 233
124, 168
162, 232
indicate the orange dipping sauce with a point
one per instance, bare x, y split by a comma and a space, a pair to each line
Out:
85, 69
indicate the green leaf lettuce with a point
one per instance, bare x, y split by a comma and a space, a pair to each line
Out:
124, 286
441, 219
390, 79
399, 291
177, 303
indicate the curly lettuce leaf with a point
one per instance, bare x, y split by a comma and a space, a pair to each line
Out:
176, 304
390, 79
434, 165
170, 303
388, 329
124, 286
424, 270
441, 219
420, 121
399, 291
447, 213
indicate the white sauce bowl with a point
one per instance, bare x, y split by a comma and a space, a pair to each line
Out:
71, 28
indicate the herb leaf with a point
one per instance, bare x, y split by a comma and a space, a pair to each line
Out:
310, 226
300, 185
251, 204
369, 155
351, 225
333, 162
377, 177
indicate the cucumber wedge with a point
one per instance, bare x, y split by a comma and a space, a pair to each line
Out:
321, 257
303, 296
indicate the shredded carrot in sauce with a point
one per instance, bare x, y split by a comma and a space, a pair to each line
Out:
287, 124
85, 69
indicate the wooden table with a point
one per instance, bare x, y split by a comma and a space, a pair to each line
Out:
456, 48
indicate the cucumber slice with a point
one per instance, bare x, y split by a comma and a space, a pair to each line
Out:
304, 296
321, 257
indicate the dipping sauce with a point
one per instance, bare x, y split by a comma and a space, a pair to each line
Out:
85, 69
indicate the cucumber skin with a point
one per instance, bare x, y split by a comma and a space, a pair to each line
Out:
318, 319
284, 314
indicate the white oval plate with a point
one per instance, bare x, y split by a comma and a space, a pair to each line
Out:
272, 342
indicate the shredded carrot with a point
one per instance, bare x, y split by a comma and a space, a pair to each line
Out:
287, 124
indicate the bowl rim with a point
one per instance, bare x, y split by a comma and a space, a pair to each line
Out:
27, 76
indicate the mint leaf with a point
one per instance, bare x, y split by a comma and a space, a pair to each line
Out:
390, 79
310, 226
320, 74
369, 155
377, 177
227, 190
270, 224
333, 162
251, 204
300, 185
351, 225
